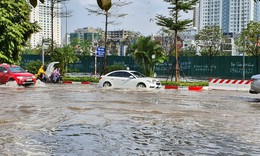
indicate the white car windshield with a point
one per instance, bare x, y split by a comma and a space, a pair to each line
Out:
137, 74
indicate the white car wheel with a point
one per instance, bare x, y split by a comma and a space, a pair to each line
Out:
141, 85
107, 84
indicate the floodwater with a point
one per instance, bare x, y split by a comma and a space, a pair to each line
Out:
75, 120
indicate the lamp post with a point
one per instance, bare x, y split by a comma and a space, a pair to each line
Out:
44, 42
66, 16
257, 49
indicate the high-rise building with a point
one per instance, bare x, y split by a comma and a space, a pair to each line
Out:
42, 15
231, 16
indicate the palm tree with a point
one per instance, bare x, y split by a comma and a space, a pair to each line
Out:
147, 53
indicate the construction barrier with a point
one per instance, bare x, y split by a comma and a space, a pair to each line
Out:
228, 84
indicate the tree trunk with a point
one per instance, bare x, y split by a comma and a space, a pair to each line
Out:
105, 53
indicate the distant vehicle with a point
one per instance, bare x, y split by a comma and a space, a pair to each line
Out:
128, 79
15, 73
255, 84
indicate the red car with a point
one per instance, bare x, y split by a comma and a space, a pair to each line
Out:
15, 73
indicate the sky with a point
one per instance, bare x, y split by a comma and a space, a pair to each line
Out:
140, 16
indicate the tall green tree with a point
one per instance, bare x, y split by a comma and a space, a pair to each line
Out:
176, 24
15, 29
249, 40
210, 39
147, 53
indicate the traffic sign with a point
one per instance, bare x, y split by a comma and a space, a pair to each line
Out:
100, 52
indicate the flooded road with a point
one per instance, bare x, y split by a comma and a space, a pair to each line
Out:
72, 120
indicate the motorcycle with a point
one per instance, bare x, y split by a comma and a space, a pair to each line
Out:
51, 75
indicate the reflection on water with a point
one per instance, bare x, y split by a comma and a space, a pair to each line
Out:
58, 119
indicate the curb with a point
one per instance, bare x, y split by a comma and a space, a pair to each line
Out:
73, 82
191, 88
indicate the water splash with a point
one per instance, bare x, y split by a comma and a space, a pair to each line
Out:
39, 83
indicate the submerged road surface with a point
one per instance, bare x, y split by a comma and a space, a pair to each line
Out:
72, 120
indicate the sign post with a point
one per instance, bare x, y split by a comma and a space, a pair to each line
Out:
99, 52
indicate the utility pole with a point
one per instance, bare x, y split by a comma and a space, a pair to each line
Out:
176, 46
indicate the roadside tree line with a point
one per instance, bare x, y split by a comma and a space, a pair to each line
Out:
15, 30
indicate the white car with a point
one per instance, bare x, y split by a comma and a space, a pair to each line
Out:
128, 79
255, 84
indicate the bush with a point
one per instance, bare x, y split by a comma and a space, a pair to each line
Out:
33, 66
181, 83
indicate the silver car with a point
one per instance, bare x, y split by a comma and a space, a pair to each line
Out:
255, 84
128, 79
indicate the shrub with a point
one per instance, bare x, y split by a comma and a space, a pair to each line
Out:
181, 83
33, 66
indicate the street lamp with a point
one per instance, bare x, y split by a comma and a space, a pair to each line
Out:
44, 42
257, 49
66, 16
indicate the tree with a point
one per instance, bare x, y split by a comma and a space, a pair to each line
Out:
64, 55
175, 24
105, 5
210, 39
248, 40
147, 53
15, 29
81, 47
188, 51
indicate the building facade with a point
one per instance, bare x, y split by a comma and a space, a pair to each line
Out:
232, 16
117, 41
42, 15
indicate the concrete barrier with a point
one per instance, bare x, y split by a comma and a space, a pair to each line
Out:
228, 84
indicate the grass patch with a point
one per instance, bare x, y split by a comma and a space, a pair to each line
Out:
181, 83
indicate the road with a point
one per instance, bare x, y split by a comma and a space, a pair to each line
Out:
75, 119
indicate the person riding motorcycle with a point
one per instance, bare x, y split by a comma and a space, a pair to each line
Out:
41, 74
55, 76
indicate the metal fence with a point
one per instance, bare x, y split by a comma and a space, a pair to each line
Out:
231, 67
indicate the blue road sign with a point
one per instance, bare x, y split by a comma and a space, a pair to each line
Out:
100, 52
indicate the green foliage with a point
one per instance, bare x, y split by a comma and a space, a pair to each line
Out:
174, 22
114, 67
33, 66
181, 83
81, 79
147, 53
247, 40
209, 39
81, 47
15, 29
64, 55
188, 51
